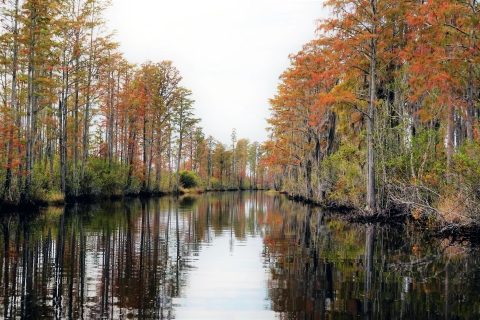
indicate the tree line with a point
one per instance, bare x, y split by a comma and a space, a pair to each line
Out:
78, 119
381, 110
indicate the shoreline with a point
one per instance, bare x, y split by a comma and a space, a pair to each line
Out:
396, 216
35, 205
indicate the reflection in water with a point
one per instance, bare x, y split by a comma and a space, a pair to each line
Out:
250, 254
114, 260
369, 249
322, 268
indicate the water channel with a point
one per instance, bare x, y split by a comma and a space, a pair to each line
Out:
231, 255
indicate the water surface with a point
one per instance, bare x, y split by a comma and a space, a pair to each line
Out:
233, 255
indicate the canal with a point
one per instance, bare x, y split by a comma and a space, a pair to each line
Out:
230, 255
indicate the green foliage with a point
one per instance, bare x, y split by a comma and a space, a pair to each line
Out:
91, 184
466, 164
103, 178
463, 180
428, 148
215, 184
342, 175
42, 183
189, 179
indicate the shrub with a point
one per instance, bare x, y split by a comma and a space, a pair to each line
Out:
342, 178
103, 178
189, 179
215, 184
42, 183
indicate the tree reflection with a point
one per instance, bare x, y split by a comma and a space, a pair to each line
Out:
369, 269
115, 260
326, 268
130, 259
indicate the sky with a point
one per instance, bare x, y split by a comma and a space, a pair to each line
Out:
229, 53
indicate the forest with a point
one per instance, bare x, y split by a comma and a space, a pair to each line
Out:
380, 111
375, 122
78, 120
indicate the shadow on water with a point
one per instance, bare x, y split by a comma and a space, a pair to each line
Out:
132, 259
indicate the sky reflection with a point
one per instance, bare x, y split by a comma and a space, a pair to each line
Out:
228, 281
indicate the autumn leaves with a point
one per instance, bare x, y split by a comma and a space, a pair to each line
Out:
77, 119
395, 82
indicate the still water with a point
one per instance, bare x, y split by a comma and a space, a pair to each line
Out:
233, 255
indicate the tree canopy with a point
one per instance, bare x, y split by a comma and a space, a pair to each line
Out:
381, 110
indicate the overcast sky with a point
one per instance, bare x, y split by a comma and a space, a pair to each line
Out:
230, 53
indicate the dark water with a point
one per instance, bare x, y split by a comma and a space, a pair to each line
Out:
228, 256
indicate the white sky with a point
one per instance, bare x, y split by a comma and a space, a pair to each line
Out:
230, 53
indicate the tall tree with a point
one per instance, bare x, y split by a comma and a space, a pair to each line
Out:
361, 31
38, 40
183, 119
13, 31
234, 140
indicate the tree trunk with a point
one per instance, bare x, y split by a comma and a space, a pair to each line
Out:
63, 133
8, 178
30, 107
144, 139
169, 156
75, 112
131, 152
178, 159
86, 120
371, 196
450, 135
308, 178
150, 159
110, 119
158, 172
470, 105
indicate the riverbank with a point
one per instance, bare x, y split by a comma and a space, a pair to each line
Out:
57, 199
428, 218
394, 216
